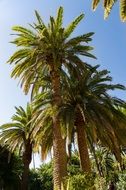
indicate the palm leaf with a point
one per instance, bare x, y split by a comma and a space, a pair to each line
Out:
59, 18
72, 26
108, 4
123, 10
23, 30
39, 19
95, 4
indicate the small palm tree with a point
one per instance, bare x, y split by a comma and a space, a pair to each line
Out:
108, 4
17, 136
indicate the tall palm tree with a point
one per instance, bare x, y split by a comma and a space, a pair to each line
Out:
108, 4
46, 52
89, 109
17, 136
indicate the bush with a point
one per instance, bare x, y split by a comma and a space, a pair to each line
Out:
121, 184
10, 170
100, 183
34, 181
81, 181
46, 176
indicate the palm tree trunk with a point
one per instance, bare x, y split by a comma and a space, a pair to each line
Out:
59, 144
82, 144
26, 162
24, 183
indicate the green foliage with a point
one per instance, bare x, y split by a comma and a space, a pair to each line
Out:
100, 183
89, 96
41, 178
34, 180
81, 181
44, 46
121, 184
45, 176
17, 133
74, 166
10, 170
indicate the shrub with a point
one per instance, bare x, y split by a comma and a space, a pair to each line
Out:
80, 181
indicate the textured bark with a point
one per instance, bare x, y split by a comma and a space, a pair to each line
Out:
59, 144
26, 162
82, 144
60, 161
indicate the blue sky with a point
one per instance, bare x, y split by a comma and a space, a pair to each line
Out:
109, 42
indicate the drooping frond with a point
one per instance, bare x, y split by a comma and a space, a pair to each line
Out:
123, 10
23, 31
25, 37
95, 4
108, 4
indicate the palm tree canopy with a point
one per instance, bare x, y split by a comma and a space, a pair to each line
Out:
45, 46
108, 4
17, 133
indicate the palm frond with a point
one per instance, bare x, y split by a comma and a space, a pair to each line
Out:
72, 26
59, 18
108, 4
95, 4
123, 10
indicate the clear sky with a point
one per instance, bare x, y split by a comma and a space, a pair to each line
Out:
109, 42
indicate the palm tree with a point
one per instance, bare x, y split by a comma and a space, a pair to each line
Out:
86, 109
108, 5
90, 110
47, 52
17, 136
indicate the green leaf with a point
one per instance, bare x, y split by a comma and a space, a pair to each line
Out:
38, 17
23, 30
73, 25
59, 18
